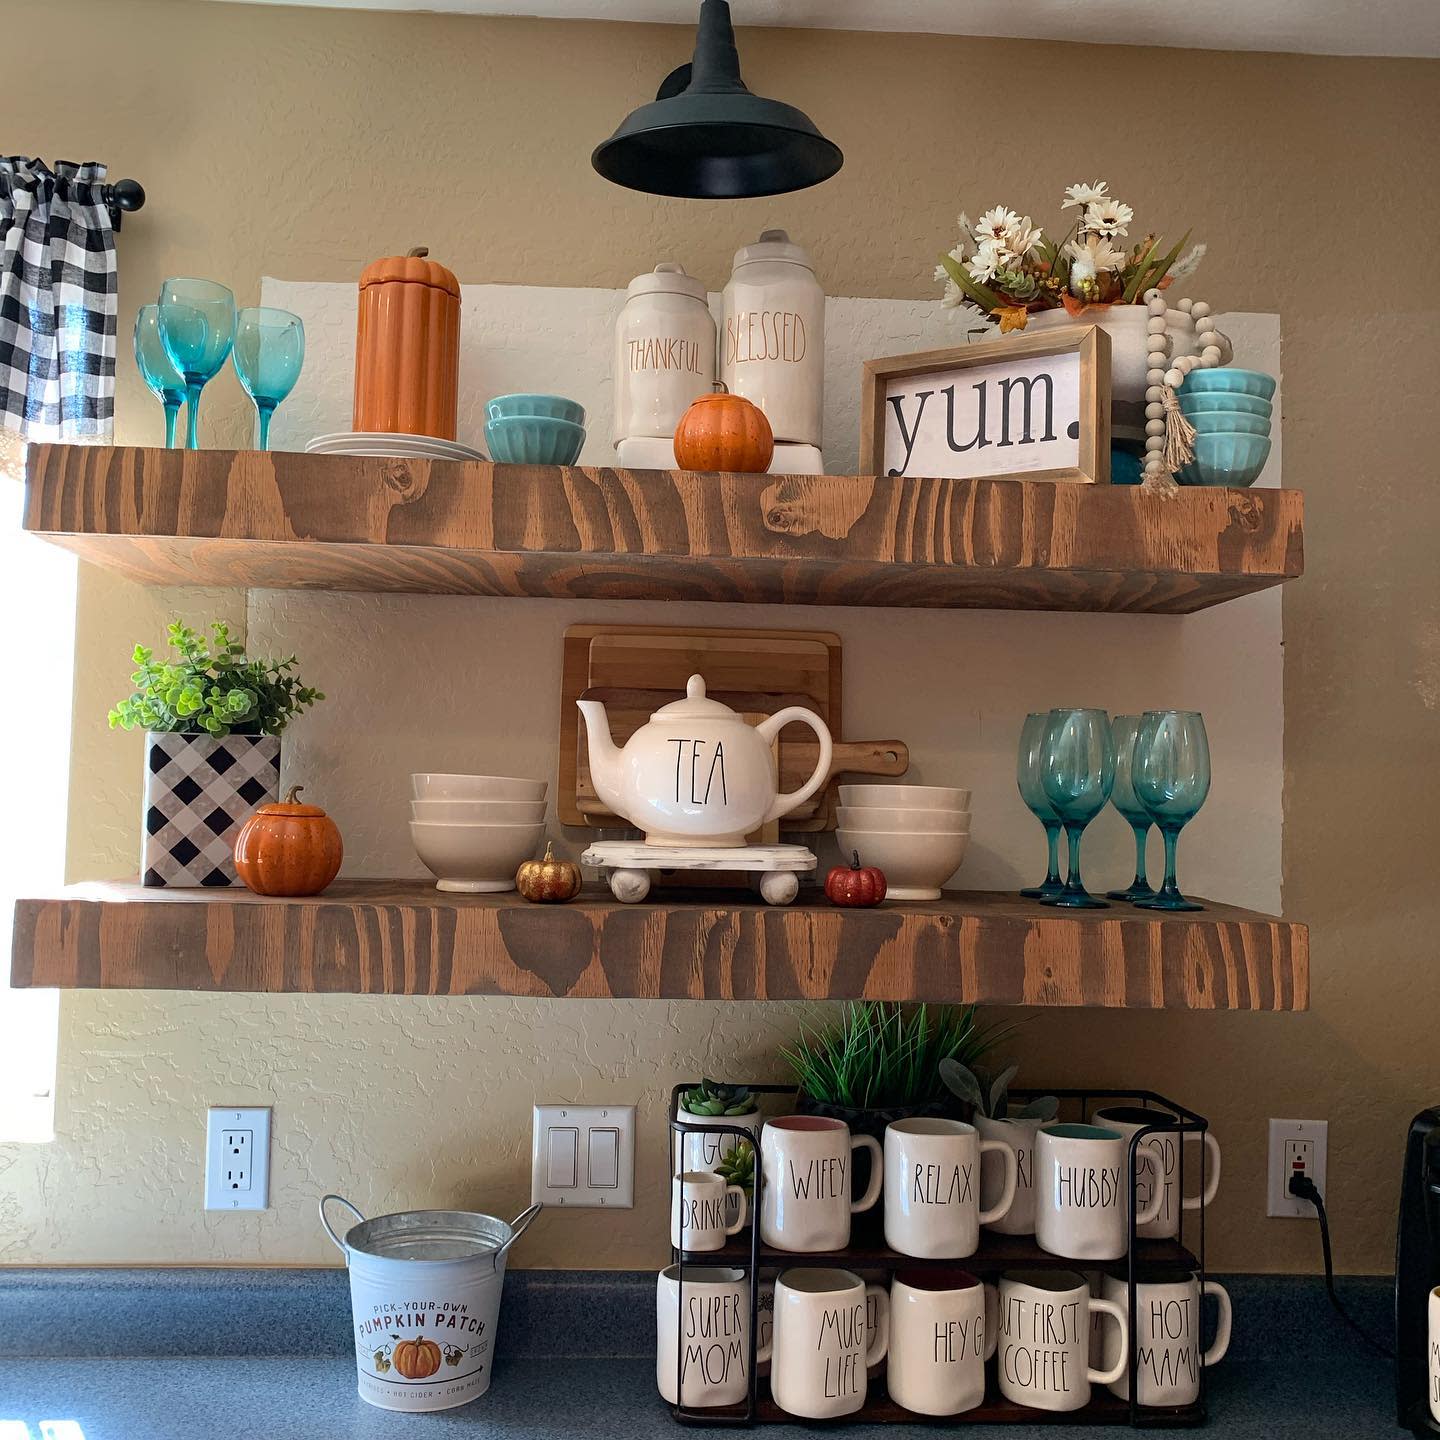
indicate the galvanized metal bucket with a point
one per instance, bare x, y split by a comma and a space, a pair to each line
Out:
424, 1298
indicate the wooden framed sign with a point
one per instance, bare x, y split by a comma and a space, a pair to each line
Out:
1036, 406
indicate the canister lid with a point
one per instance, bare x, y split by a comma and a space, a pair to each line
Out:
667, 278
773, 245
413, 269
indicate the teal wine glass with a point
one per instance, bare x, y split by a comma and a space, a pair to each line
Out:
166, 383
1032, 792
269, 351
1123, 729
1171, 776
1077, 771
197, 326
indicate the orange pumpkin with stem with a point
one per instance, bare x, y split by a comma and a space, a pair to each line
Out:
416, 1359
724, 432
288, 848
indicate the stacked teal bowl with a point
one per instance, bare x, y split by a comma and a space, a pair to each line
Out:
1230, 410
535, 429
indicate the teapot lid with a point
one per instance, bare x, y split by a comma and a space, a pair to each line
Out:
695, 705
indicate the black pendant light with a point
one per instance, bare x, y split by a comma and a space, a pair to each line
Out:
707, 137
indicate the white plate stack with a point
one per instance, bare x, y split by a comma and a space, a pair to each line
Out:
475, 831
399, 447
916, 834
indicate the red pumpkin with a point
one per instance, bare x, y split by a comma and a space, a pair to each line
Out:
288, 848
724, 432
854, 884
416, 1359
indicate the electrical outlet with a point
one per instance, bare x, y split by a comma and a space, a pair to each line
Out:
237, 1159
1297, 1147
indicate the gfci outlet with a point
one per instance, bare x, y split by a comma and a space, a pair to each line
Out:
1297, 1147
237, 1159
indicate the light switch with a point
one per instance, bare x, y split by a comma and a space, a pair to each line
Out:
583, 1156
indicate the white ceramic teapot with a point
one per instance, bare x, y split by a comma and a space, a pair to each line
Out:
697, 774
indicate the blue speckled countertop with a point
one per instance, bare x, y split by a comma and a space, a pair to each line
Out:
165, 1355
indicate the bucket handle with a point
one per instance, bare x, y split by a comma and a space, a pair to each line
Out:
325, 1221
518, 1226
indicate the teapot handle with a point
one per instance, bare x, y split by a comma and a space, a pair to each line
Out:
769, 729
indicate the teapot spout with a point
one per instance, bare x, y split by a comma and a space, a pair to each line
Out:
603, 752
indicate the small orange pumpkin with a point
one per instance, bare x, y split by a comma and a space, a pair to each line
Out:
724, 432
548, 881
855, 885
288, 848
416, 1359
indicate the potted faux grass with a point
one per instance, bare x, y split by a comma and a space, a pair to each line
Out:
212, 719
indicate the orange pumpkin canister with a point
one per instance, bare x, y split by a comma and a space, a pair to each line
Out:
288, 848
407, 347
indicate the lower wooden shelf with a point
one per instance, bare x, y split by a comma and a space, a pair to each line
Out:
404, 937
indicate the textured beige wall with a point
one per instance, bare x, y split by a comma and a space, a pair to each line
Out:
304, 143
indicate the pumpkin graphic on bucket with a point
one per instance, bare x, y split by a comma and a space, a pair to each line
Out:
416, 1359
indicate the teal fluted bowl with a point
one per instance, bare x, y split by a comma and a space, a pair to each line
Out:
1229, 400
549, 407
1228, 380
1226, 460
534, 440
1229, 422
1124, 466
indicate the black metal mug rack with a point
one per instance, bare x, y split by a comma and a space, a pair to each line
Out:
997, 1254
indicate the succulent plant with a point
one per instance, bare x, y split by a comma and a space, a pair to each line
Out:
710, 1098
990, 1094
738, 1167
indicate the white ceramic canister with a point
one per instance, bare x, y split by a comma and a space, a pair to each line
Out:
772, 336
664, 352
424, 1298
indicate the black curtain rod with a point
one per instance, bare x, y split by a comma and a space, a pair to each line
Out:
124, 197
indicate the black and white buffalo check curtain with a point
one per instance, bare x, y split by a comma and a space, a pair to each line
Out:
57, 302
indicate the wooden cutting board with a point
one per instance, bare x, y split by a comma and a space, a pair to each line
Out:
636, 669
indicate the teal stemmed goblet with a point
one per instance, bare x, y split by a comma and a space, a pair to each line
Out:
197, 325
1077, 772
1032, 792
269, 351
1123, 729
1171, 776
166, 383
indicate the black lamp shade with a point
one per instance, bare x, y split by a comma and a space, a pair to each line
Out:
707, 137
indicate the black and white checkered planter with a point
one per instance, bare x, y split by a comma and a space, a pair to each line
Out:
199, 791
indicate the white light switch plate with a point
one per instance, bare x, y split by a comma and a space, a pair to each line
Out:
237, 1159
583, 1157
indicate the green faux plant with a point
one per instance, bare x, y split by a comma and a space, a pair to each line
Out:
990, 1094
710, 1098
879, 1056
212, 688
738, 1167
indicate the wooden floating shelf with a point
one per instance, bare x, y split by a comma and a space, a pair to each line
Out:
403, 937
294, 521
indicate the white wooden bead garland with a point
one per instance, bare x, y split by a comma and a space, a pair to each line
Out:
1169, 436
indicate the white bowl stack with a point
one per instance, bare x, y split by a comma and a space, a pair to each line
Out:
916, 834
474, 831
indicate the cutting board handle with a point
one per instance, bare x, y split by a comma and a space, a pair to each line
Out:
870, 757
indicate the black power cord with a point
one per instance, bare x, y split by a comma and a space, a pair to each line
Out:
1303, 1187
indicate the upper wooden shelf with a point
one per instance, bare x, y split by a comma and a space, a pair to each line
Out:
404, 937
291, 521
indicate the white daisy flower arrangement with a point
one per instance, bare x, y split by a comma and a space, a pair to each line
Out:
1006, 267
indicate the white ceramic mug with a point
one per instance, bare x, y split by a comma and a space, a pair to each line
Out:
709, 1335
932, 1187
1167, 1337
1128, 1119
700, 1206
819, 1355
1081, 1180
1433, 1351
1019, 1135
1044, 1339
805, 1202
938, 1341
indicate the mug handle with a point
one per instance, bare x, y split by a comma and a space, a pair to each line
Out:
769, 729
1150, 1153
764, 1352
1212, 1181
881, 1347
990, 1329
1012, 1179
1116, 1313
739, 1224
877, 1168
1216, 1352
